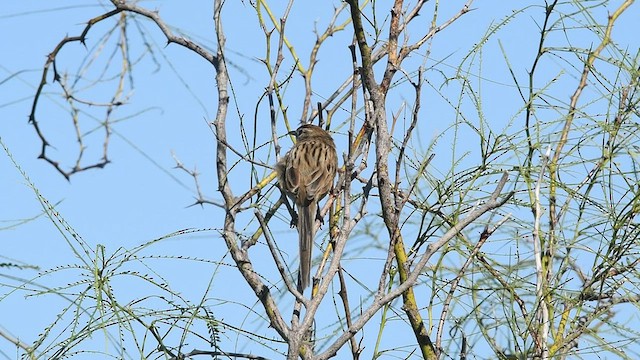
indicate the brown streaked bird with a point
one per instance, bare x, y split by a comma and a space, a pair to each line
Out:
306, 175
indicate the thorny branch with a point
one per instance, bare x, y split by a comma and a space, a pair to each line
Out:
51, 63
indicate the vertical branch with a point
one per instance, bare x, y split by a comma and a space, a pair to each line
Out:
239, 255
533, 92
355, 349
541, 286
390, 213
222, 80
392, 46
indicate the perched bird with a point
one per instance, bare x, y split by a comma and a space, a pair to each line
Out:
305, 175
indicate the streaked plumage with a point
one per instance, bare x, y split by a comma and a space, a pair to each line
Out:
306, 175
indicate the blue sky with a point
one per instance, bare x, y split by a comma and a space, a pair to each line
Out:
140, 196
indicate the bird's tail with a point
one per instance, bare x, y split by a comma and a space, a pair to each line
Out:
306, 229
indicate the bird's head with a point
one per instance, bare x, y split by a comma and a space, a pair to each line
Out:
308, 131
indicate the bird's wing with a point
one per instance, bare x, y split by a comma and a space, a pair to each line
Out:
317, 179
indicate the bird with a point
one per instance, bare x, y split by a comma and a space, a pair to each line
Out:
305, 174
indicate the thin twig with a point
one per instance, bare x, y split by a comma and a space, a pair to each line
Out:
484, 236
540, 273
276, 258
381, 298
